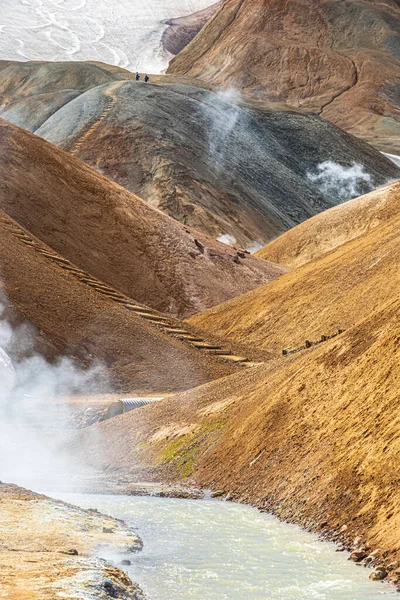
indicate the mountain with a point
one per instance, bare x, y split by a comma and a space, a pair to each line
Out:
337, 58
114, 235
68, 317
334, 291
236, 171
332, 228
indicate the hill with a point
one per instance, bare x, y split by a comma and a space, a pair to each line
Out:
330, 293
313, 439
332, 228
114, 235
241, 172
67, 315
336, 58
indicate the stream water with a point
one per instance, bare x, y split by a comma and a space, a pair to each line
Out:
210, 550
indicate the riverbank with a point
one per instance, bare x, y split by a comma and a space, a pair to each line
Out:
313, 440
50, 549
381, 563
238, 553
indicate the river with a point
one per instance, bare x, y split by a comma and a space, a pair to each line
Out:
210, 550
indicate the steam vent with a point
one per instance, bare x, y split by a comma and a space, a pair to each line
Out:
199, 311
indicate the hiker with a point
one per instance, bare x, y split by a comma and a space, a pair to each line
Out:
146, 78
137, 77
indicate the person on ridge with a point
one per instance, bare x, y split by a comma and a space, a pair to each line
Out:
137, 77
146, 78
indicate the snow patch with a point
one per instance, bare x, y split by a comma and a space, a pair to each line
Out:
127, 33
393, 157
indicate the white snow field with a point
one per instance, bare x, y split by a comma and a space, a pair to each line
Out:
126, 33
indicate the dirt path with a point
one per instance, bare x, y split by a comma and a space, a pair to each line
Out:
111, 101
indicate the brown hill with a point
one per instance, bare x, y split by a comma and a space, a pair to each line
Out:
224, 167
336, 58
25, 79
332, 228
335, 291
316, 439
68, 317
114, 235
182, 30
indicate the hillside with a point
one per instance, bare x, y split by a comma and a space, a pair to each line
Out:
182, 30
313, 439
199, 299
336, 58
114, 235
330, 293
332, 228
68, 317
243, 172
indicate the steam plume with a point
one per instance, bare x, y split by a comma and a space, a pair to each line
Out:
341, 183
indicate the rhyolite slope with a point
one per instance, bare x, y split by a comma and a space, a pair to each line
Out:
337, 58
334, 291
114, 235
208, 160
314, 439
329, 230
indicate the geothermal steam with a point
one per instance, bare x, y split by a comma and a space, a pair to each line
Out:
341, 183
34, 414
7, 375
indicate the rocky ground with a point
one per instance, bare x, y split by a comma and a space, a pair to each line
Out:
51, 550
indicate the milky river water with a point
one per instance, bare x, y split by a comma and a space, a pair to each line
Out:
126, 33
210, 550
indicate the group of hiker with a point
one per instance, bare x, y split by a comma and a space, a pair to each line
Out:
146, 77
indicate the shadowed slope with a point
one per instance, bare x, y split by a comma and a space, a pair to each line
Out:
328, 230
182, 30
338, 58
114, 235
70, 318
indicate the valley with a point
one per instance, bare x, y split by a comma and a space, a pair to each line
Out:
199, 318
